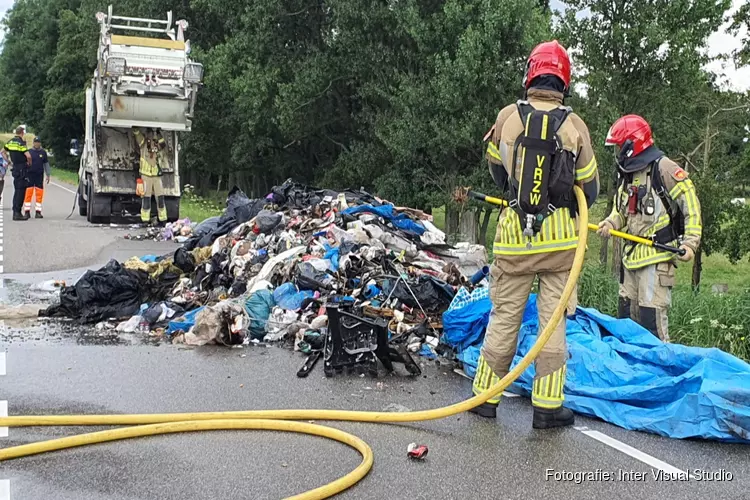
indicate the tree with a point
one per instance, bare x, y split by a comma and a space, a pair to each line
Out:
29, 47
464, 62
741, 20
644, 57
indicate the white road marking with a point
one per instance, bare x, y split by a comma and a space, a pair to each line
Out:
2, 281
4, 483
3, 413
63, 187
629, 450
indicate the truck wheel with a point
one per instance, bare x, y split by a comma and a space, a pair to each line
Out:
98, 208
173, 207
82, 203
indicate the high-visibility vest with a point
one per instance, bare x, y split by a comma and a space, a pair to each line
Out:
557, 233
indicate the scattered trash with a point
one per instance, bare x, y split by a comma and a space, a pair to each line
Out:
417, 451
23, 311
48, 286
341, 276
129, 326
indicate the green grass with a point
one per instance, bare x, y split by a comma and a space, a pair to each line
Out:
65, 176
197, 208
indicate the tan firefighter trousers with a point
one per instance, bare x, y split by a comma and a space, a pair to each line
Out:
646, 295
509, 295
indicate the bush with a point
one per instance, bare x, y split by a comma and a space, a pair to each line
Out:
702, 319
597, 288
709, 320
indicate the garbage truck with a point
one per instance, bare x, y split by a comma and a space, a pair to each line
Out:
144, 79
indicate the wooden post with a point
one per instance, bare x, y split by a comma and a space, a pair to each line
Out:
467, 227
451, 222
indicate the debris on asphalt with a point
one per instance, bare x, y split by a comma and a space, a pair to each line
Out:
22, 311
48, 286
342, 276
417, 451
179, 231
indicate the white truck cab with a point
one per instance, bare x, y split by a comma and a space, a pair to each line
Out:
146, 81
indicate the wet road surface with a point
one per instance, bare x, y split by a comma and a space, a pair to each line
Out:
59, 368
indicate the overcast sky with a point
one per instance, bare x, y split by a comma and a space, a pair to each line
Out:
718, 43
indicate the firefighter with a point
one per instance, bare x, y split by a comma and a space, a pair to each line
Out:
655, 200
525, 249
151, 146
17, 155
38, 173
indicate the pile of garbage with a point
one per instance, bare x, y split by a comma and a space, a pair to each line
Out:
178, 231
344, 276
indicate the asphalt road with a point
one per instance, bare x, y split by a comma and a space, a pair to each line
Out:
55, 242
47, 368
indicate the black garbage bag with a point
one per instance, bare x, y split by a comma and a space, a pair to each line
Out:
184, 260
207, 226
238, 288
214, 273
240, 209
432, 294
295, 195
267, 221
111, 292
308, 278
154, 313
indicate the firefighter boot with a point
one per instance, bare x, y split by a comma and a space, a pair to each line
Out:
39, 215
547, 398
487, 410
483, 380
548, 418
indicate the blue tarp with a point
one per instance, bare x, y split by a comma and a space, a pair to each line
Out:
401, 221
621, 373
183, 322
288, 297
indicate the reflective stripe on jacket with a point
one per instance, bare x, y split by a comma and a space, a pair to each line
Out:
148, 155
552, 248
557, 233
682, 192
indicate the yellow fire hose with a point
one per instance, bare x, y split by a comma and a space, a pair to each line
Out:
287, 420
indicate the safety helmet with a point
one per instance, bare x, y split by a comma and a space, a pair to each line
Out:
632, 135
548, 58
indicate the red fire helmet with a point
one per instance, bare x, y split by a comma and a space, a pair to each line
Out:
548, 58
632, 134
